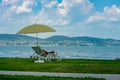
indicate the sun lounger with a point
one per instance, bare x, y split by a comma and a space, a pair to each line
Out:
43, 54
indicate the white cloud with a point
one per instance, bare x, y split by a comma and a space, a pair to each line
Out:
58, 22
94, 18
8, 2
64, 7
25, 7
8, 12
45, 17
20, 6
81, 6
51, 4
110, 14
51, 11
113, 10
63, 13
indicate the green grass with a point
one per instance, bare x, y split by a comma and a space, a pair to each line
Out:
65, 65
8, 77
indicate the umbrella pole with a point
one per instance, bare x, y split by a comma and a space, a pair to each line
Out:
37, 42
36, 39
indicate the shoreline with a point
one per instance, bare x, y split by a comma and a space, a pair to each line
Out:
68, 58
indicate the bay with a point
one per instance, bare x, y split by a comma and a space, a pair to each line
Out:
80, 52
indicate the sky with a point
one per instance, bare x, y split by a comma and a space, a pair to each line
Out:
93, 18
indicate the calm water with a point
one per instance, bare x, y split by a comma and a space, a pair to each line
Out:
93, 52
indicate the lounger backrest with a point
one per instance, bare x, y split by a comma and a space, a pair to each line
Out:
37, 49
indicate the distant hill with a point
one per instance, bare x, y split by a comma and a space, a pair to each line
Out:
59, 40
15, 37
84, 40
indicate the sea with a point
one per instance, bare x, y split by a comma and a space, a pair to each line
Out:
75, 52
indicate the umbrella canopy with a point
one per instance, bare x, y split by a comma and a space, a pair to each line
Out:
36, 28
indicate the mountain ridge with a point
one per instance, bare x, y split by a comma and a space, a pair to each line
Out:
59, 40
15, 37
75, 38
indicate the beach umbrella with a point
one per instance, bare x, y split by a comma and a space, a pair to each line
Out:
36, 28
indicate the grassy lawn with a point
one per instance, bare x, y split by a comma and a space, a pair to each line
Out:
8, 77
65, 65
